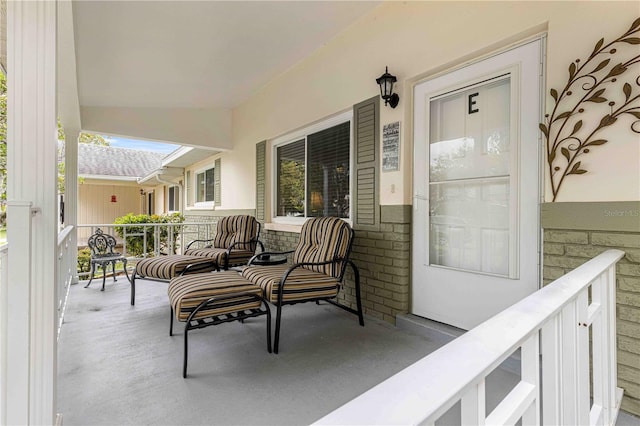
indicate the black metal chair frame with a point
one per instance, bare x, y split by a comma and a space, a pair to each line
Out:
226, 265
193, 324
344, 260
102, 254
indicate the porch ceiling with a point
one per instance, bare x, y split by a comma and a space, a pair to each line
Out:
186, 55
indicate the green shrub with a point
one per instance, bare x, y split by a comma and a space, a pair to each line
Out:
135, 243
84, 260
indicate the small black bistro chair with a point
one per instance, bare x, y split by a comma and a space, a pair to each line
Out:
102, 254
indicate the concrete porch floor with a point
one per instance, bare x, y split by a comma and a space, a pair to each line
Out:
118, 365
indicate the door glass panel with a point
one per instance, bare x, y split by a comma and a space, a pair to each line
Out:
469, 182
465, 144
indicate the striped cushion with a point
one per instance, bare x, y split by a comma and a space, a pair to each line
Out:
218, 254
188, 291
237, 257
322, 239
236, 229
240, 257
301, 284
167, 267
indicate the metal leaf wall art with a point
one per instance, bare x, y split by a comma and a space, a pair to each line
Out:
596, 81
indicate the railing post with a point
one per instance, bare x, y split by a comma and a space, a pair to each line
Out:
66, 271
568, 367
600, 413
582, 359
551, 365
609, 315
530, 366
473, 406
156, 240
3, 332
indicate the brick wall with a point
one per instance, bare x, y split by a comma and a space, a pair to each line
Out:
279, 241
565, 250
383, 259
211, 217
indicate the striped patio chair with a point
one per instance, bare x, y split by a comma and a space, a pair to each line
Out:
235, 242
318, 266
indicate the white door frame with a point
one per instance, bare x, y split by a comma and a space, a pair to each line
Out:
422, 198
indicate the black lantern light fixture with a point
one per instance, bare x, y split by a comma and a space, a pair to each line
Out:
386, 81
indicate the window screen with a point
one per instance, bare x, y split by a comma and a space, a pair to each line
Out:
328, 172
313, 174
174, 197
205, 186
291, 159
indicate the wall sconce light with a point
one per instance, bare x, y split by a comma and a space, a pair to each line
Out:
386, 81
114, 199
141, 191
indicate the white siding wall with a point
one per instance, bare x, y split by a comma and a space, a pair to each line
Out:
160, 205
95, 206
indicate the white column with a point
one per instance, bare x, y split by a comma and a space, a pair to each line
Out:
31, 212
72, 137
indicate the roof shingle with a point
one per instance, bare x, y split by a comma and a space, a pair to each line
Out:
111, 161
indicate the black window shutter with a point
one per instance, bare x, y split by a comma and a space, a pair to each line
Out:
261, 158
366, 203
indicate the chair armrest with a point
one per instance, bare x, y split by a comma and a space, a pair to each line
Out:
251, 241
198, 241
326, 262
298, 265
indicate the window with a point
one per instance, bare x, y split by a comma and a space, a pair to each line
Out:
312, 172
150, 203
173, 199
205, 186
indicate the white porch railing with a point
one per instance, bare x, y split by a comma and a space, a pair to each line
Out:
157, 238
4, 255
67, 266
561, 330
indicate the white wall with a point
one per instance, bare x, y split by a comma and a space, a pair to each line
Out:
417, 40
94, 201
159, 202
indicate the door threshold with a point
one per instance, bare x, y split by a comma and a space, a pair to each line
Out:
430, 329
445, 333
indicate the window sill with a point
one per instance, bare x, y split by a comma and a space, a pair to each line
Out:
283, 227
211, 207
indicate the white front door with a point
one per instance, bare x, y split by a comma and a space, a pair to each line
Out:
477, 188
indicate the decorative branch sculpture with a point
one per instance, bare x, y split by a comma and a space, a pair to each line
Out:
561, 128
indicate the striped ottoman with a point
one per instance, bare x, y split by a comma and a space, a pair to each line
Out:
201, 300
164, 268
